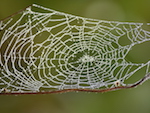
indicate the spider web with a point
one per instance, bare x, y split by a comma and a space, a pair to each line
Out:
43, 49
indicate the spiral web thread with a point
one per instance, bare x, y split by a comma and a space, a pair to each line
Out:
43, 50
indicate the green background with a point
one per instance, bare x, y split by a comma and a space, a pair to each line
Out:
135, 100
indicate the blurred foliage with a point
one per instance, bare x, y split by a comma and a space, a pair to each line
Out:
123, 101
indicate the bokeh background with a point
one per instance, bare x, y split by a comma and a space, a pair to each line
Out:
135, 100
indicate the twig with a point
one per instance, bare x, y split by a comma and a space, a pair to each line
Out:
82, 90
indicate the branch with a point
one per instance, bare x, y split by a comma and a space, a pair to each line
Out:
83, 90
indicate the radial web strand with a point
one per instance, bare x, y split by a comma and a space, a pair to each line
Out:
45, 50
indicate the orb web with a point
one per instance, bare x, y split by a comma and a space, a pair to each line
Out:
42, 49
